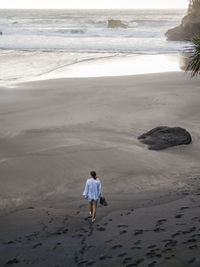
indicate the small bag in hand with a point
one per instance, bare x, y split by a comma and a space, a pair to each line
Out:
103, 201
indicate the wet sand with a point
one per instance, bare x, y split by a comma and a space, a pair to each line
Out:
54, 132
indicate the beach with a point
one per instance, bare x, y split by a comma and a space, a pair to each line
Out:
53, 132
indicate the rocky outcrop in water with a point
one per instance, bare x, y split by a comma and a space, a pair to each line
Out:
1, 33
184, 32
163, 137
116, 23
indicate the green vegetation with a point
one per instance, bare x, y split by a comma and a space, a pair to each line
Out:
194, 64
194, 8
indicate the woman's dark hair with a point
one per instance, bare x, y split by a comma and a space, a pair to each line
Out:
93, 174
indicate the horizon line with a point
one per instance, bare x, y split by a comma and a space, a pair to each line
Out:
60, 8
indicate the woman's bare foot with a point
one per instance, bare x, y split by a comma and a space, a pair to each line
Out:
93, 220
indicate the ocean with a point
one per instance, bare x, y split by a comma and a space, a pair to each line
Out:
36, 42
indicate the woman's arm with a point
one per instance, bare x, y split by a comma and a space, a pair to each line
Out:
85, 193
99, 189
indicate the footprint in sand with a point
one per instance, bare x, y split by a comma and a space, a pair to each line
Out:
159, 229
122, 232
153, 263
184, 208
89, 247
101, 229
170, 257
136, 263
136, 248
37, 245
178, 216
80, 235
138, 232
151, 254
167, 250
194, 246
195, 235
175, 235
90, 263
57, 245
138, 242
65, 219
126, 260
191, 230
60, 232
82, 262
152, 246
195, 218
171, 243
104, 257
87, 218
122, 255
158, 255
192, 260
185, 193
161, 222
117, 246
122, 226
154, 249
9, 242
108, 241
167, 240
192, 240
13, 261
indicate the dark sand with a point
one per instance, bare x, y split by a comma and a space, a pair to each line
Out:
54, 132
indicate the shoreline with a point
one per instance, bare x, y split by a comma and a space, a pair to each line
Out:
110, 65
119, 65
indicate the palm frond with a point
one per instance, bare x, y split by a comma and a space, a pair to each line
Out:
194, 64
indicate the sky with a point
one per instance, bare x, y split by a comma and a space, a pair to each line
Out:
70, 4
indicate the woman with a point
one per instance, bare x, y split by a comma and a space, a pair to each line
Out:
93, 193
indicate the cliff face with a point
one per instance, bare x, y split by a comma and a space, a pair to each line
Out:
190, 25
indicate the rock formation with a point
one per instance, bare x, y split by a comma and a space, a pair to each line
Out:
190, 25
116, 23
164, 137
1, 33
184, 32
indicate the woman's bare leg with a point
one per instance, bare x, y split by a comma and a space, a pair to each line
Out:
94, 204
91, 208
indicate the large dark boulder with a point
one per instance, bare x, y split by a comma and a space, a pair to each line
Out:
164, 137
